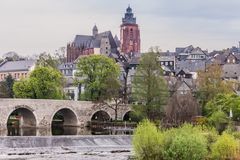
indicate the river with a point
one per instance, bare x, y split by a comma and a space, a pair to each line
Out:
92, 147
60, 131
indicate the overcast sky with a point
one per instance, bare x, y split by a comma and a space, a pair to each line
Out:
34, 26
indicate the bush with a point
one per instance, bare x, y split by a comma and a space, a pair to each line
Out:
211, 135
226, 147
219, 120
185, 143
147, 142
236, 135
188, 143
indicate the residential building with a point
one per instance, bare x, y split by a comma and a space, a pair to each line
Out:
17, 69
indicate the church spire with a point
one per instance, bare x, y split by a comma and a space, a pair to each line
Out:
129, 17
95, 30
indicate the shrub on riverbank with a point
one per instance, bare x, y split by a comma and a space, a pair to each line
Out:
147, 142
187, 144
183, 143
226, 147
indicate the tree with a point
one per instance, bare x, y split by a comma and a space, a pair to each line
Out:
47, 60
43, 83
6, 87
149, 88
181, 108
112, 95
210, 83
95, 72
224, 103
126, 68
24, 89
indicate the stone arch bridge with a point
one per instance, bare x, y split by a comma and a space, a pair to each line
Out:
39, 113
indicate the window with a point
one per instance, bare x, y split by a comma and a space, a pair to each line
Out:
131, 33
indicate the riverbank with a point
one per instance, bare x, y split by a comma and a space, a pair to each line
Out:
66, 147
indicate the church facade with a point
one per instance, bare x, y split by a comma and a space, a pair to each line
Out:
104, 43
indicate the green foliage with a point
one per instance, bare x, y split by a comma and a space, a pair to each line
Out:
211, 135
148, 142
210, 84
47, 60
43, 83
224, 102
219, 120
6, 87
226, 147
236, 135
185, 143
23, 89
149, 87
96, 71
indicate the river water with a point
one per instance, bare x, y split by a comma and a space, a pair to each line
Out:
60, 131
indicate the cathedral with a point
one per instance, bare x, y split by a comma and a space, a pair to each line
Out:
104, 43
130, 34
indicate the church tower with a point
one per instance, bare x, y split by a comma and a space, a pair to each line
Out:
130, 34
95, 31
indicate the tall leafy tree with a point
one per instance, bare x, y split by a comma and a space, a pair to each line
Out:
149, 88
24, 89
43, 83
113, 96
48, 60
95, 72
210, 83
224, 103
6, 87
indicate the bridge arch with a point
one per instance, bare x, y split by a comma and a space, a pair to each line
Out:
22, 116
67, 115
100, 115
127, 115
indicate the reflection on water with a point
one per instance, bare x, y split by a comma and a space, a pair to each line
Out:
60, 130
18, 131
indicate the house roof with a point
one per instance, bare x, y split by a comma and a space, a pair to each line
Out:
221, 58
191, 66
87, 41
231, 70
166, 58
176, 84
67, 66
11, 66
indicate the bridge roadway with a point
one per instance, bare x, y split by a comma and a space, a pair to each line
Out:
39, 113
